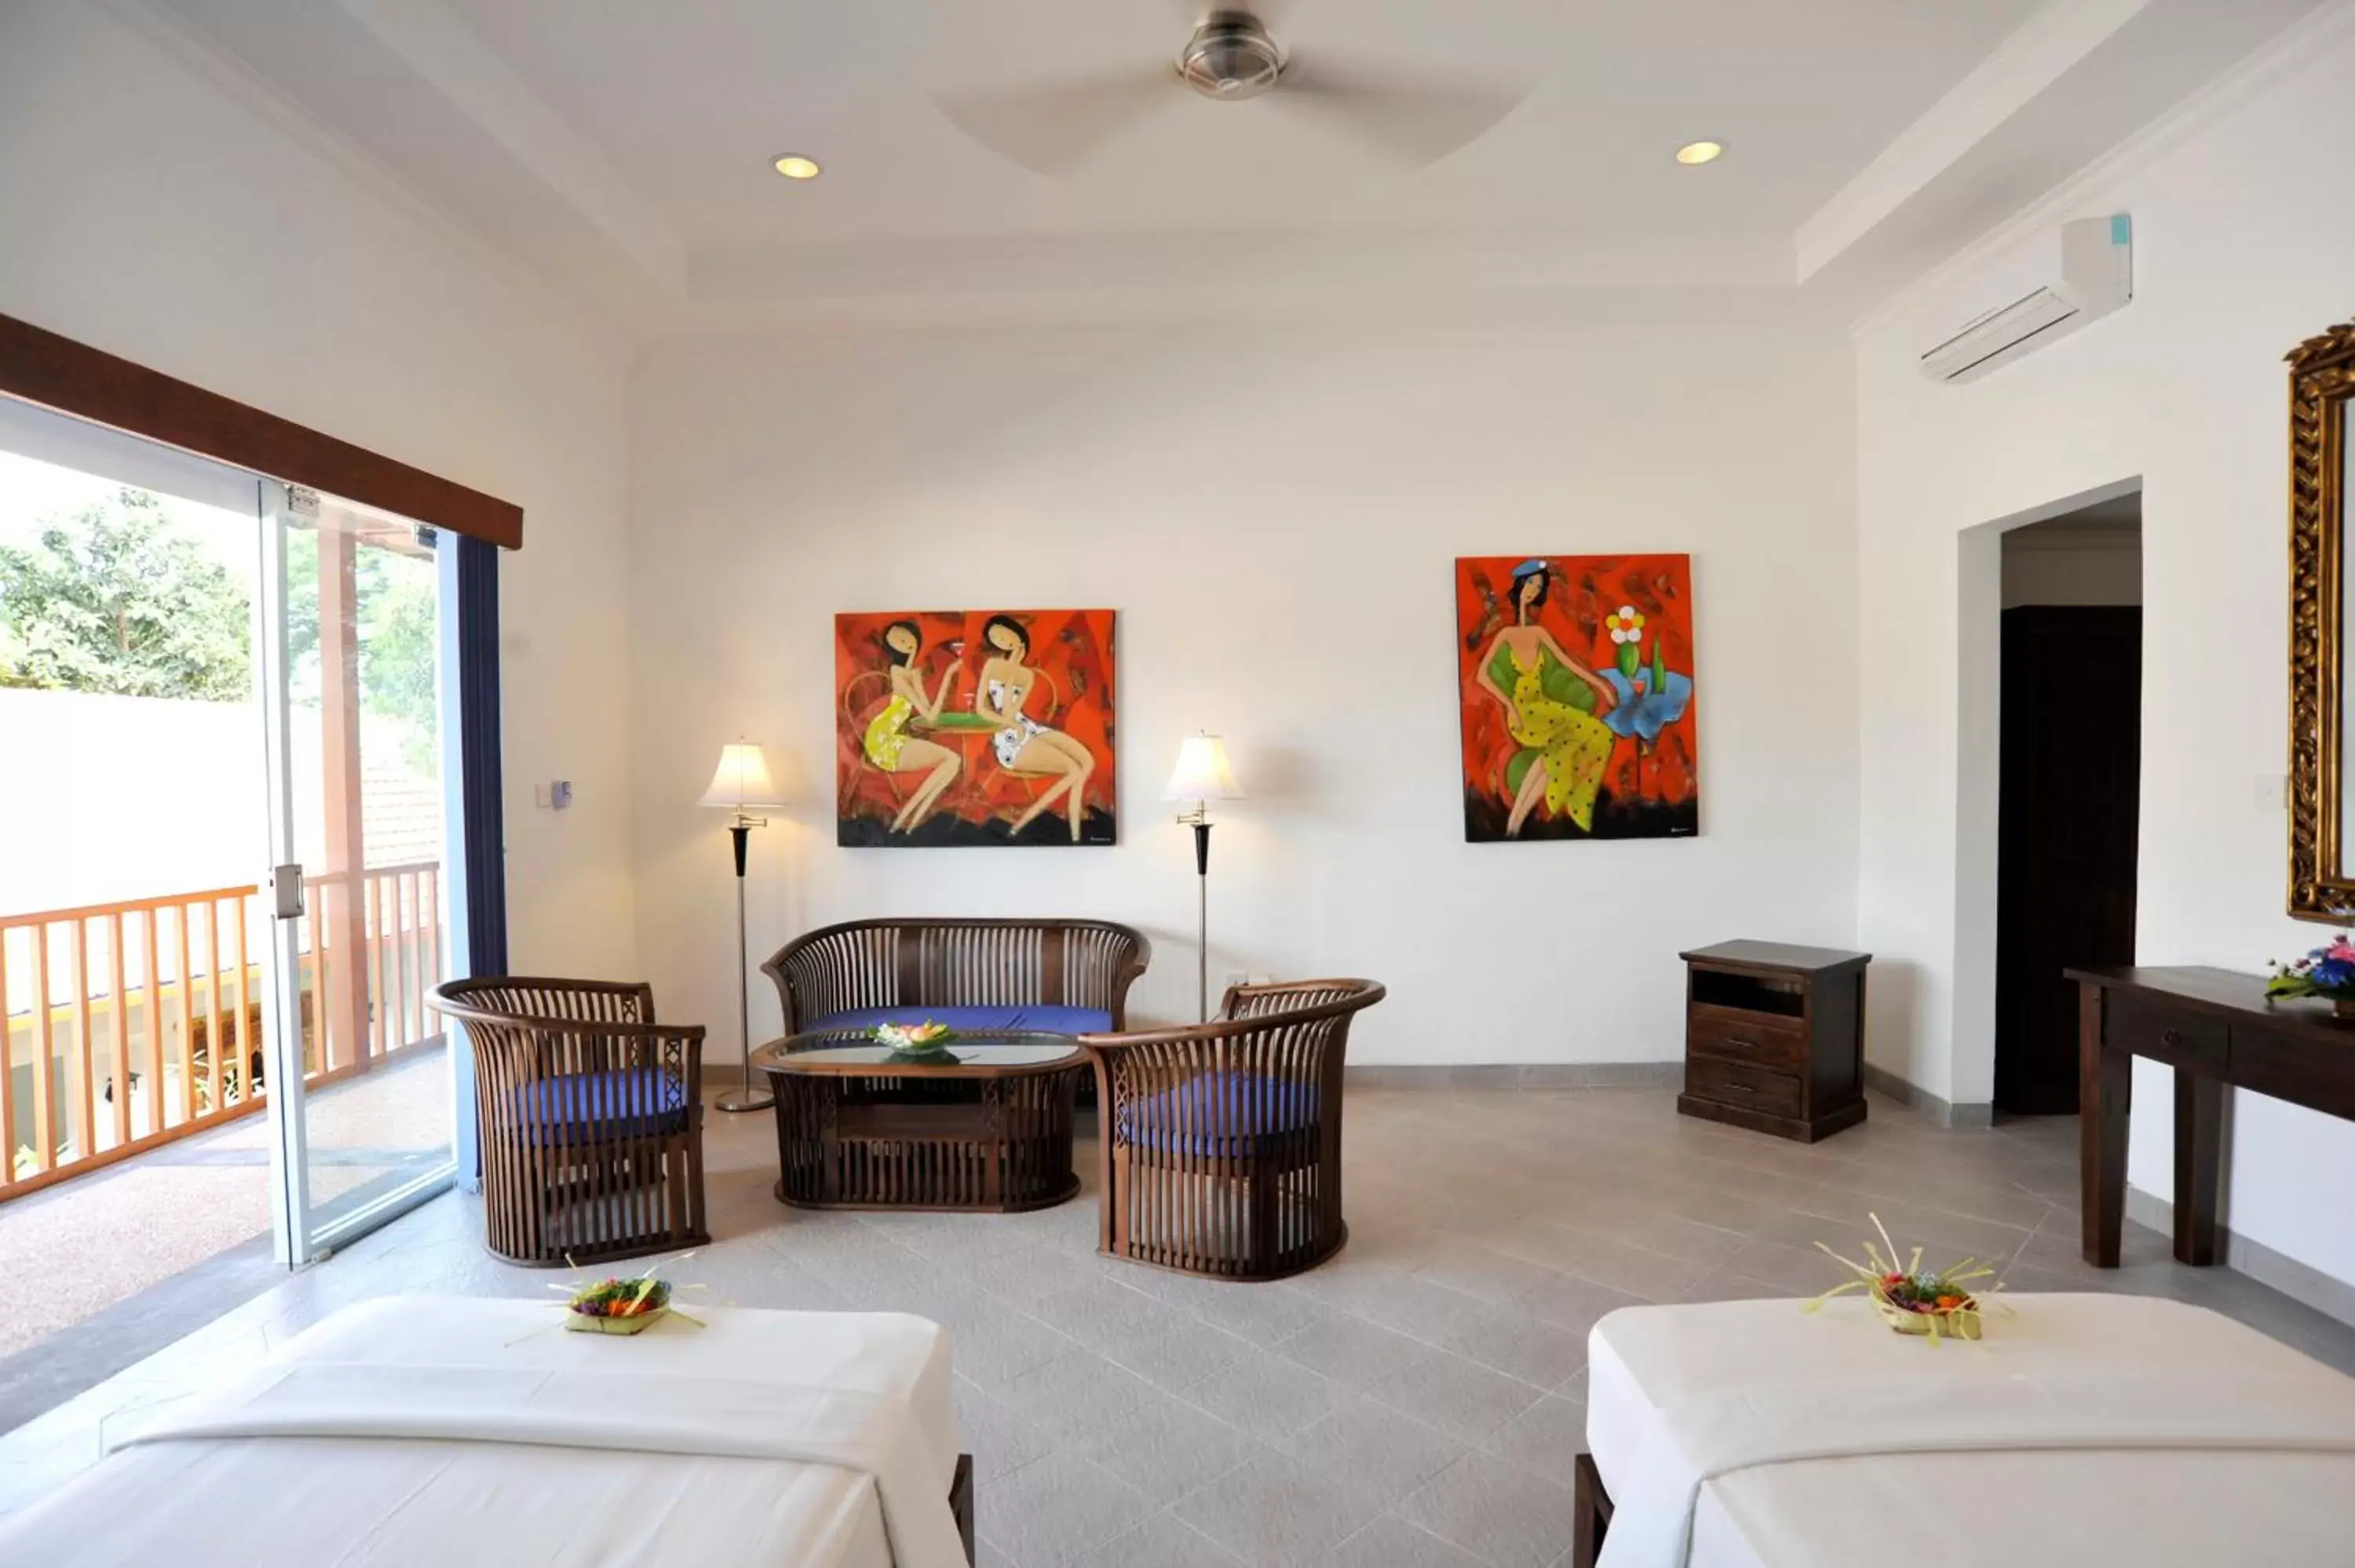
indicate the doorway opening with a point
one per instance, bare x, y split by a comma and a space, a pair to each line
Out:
2069, 777
224, 890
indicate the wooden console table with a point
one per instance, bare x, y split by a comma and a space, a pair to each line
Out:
2216, 1028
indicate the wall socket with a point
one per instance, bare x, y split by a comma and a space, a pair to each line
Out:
554, 796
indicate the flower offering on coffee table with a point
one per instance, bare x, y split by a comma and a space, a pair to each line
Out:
922, 1044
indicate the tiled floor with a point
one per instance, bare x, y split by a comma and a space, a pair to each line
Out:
1414, 1402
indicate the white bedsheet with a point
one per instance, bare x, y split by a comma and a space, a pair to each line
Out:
322, 1458
2122, 1501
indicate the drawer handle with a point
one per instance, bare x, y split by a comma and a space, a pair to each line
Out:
2171, 1037
1741, 1044
1739, 1088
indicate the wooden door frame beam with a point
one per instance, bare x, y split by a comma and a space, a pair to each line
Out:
42, 366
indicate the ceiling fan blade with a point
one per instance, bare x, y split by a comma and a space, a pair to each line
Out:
1419, 118
1053, 127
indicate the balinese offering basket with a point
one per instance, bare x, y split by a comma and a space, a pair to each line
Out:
922, 1044
1949, 1322
1932, 1304
618, 1307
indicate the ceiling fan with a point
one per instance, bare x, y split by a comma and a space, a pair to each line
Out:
1230, 56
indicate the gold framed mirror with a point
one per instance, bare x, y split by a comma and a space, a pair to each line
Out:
2321, 816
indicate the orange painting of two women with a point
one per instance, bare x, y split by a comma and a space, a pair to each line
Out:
1576, 674
974, 727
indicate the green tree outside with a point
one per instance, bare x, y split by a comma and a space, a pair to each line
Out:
117, 599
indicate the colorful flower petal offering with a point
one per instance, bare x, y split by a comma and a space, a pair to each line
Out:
1938, 1303
925, 1042
621, 1305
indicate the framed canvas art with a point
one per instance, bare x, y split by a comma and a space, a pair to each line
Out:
974, 727
1575, 675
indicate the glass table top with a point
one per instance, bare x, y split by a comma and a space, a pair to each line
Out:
833, 1048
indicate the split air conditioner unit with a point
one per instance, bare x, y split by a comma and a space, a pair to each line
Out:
2079, 274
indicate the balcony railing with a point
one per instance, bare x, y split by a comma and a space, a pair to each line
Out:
125, 1026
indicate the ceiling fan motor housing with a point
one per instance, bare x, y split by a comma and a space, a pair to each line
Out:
1230, 57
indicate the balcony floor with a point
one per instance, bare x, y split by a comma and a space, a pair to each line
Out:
131, 1255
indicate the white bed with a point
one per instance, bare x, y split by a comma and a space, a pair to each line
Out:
388, 1435
2180, 1488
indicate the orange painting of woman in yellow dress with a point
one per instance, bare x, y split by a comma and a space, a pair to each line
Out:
1577, 684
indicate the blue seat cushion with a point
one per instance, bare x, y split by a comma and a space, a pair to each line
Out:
1220, 1115
601, 1107
1044, 1017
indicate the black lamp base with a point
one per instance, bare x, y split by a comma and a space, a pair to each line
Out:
744, 1096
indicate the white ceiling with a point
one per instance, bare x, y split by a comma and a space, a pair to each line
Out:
622, 147
689, 100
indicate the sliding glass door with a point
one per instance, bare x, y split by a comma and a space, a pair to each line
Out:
224, 872
360, 824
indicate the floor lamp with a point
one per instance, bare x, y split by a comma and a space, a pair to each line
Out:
1202, 776
740, 785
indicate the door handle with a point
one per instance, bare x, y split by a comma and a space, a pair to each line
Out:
286, 883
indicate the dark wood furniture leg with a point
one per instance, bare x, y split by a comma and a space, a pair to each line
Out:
2199, 1159
1594, 1516
2104, 1095
961, 1502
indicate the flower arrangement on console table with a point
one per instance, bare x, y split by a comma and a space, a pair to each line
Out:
2326, 971
922, 1044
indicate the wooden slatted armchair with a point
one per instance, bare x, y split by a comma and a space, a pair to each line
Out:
1061, 977
591, 1117
1221, 1141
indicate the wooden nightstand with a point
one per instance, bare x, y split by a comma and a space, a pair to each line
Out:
1775, 1038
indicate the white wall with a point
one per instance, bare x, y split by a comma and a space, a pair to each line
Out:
2241, 250
152, 205
1275, 519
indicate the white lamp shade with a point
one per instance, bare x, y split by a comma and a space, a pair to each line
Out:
1202, 773
741, 780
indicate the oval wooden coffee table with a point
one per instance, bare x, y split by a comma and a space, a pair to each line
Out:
856, 1129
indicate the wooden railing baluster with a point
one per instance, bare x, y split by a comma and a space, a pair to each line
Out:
68, 1077
7, 1076
154, 1025
78, 1064
45, 1083
121, 1062
213, 1004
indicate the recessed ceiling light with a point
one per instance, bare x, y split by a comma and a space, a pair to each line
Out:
794, 166
1693, 153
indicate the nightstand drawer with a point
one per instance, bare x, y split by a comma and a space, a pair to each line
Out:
1760, 1039
1751, 1088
